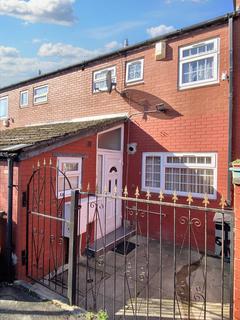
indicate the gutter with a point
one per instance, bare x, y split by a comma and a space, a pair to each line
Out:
230, 106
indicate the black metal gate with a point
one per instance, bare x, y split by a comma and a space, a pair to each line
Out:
47, 248
168, 260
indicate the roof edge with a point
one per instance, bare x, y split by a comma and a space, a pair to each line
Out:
173, 34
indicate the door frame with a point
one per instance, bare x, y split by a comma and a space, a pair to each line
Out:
105, 152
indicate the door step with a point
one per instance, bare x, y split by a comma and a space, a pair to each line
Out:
114, 237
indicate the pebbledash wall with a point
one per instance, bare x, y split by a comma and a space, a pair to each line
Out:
196, 120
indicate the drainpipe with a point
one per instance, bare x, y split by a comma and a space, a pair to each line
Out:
9, 218
230, 105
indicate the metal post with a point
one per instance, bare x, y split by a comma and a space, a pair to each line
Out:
72, 254
9, 219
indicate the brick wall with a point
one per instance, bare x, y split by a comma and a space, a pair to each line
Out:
71, 96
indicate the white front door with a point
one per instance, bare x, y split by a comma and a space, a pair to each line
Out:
110, 214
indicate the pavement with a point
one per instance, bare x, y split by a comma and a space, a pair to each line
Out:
19, 303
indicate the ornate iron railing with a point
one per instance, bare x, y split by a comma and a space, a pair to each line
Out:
134, 256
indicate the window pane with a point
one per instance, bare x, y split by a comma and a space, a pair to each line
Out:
153, 171
99, 77
189, 180
110, 140
135, 70
197, 70
40, 91
64, 185
3, 107
23, 98
69, 166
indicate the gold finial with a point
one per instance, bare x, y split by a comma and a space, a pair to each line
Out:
175, 198
38, 164
222, 203
148, 194
44, 162
189, 198
206, 201
88, 187
50, 162
125, 192
115, 190
161, 196
137, 194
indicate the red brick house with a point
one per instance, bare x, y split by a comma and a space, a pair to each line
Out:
170, 123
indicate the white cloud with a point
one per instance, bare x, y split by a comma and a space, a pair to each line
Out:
62, 50
14, 67
51, 56
8, 52
32, 11
159, 30
112, 30
112, 45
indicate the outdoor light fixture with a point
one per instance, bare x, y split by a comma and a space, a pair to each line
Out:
161, 107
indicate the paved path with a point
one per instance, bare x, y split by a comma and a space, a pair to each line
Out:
16, 303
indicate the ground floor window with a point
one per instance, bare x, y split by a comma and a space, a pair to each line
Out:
180, 172
70, 168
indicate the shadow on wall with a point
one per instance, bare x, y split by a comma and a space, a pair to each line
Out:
150, 105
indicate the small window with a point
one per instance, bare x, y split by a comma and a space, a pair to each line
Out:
24, 98
72, 168
99, 79
110, 140
183, 173
40, 94
3, 107
134, 71
198, 64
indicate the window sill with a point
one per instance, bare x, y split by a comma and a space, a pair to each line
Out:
40, 103
199, 85
129, 84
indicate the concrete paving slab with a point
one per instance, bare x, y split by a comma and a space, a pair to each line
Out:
18, 303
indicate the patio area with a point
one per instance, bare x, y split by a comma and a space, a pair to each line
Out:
148, 287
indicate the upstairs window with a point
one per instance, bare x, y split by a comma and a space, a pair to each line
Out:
134, 71
40, 94
198, 64
3, 107
72, 168
99, 79
24, 98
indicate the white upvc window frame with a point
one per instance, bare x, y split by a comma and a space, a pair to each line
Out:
69, 174
6, 116
20, 102
139, 79
40, 95
163, 165
114, 78
199, 56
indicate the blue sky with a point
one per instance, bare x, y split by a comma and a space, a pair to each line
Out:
50, 34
